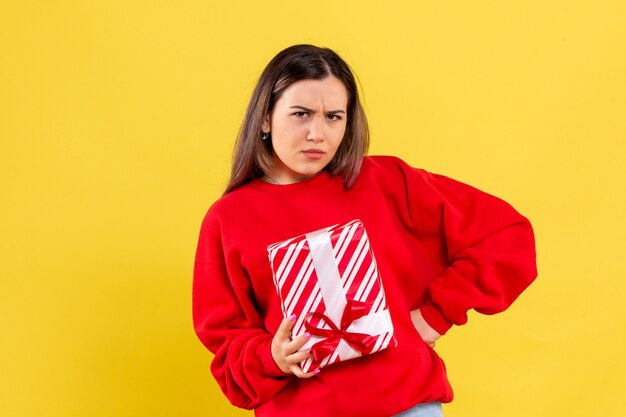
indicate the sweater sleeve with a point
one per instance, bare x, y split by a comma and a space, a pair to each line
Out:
490, 248
228, 323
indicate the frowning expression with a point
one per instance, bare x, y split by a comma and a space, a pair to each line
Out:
307, 126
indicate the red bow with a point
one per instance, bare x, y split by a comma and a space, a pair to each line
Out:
361, 342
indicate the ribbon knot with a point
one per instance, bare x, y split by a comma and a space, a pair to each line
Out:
360, 342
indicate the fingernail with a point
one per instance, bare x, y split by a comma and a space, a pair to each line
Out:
317, 371
292, 317
307, 335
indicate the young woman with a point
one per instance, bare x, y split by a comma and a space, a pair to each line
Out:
442, 248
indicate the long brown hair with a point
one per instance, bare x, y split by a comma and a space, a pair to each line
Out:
252, 157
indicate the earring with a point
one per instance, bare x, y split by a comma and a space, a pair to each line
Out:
265, 136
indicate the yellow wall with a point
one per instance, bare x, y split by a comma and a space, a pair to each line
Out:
117, 120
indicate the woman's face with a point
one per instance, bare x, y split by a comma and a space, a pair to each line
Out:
306, 125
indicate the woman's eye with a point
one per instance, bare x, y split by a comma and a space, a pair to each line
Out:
300, 114
334, 117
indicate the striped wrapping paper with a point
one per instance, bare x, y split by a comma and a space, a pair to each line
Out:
327, 272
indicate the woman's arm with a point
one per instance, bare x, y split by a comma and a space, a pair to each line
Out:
228, 323
490, 248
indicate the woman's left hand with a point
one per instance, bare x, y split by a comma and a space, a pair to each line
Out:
429, 335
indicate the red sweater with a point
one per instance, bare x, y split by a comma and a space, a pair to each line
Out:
440, 245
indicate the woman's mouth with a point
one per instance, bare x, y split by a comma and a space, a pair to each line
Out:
313, 153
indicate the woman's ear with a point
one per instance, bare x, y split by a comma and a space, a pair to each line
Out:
265, 126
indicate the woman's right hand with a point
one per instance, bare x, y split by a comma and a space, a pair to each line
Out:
285, 351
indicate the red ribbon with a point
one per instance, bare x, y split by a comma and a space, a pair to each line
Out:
361, 342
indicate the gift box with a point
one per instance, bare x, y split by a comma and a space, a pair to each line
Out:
329, 279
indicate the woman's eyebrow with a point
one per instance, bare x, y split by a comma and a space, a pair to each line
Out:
313, 111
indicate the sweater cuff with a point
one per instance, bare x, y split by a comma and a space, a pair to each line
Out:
268, 365
433, 316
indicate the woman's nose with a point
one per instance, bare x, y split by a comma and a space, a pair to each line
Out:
316, 130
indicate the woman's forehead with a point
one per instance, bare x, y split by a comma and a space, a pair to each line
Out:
327, 92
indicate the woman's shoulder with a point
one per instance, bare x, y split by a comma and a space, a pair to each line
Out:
389, 166
235, 199
385, 162
228, 205
393, 173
